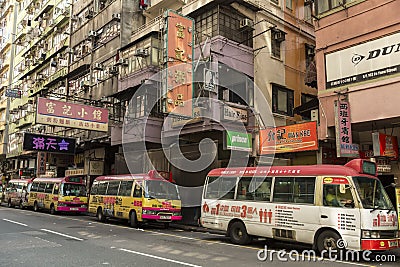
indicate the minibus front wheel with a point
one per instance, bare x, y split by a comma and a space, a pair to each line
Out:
100, 216
133, 219
35, 207
328, 240
238, 233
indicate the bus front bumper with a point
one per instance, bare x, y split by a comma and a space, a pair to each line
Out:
165, 218
379, 244
72, 209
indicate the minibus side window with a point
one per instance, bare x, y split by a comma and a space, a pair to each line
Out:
94, 188
137, 192
125, 188
41, 187
113, 188
102, 188
34, 187
221, 187
294, 189
56, 189
49, 188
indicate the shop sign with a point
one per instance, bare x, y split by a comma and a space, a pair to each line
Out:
14, 93
41, 163
385, 146
238, 141
344, 140
366, 61
234, 114
74, 172
71, 115
292, 138
47, 143
210, 83
178, 78
96, 167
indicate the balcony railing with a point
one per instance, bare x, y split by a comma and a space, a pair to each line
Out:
153, 26
46, 7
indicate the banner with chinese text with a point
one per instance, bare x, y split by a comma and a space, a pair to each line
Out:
385, 146
344, 140
292, 138
47, 143
178, 80
71, 115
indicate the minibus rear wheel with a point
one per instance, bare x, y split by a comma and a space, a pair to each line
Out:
52, 209
9, 203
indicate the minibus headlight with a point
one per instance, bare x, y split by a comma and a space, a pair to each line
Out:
366, 234
396, 234
83, 206
150, 212
62, 204
375, 234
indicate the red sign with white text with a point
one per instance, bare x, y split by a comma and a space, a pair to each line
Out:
71, 115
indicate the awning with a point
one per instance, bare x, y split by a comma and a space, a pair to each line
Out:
311, 75
305, 109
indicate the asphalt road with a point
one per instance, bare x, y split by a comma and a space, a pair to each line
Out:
28, 238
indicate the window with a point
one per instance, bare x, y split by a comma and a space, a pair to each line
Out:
338, 195
34, 187
49, 188
56, 189
282, 100
257, 188
41, 187
137, 192
324, 6
113, 188
277, 37
125, 188
94, 188
102, 188
294, 190
289, 4
275, 1
221, 187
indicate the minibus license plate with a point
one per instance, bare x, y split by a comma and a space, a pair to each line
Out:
393, 244
165, 217
73, 208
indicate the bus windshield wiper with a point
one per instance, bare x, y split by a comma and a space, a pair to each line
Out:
374, 209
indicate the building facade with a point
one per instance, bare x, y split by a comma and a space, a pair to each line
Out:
358, 67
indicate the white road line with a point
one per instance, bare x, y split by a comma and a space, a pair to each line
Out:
15, 222
61, 234
159, 258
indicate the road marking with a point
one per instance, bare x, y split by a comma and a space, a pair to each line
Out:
15, 222
61, 234
159, 258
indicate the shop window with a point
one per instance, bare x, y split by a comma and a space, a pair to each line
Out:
282, 100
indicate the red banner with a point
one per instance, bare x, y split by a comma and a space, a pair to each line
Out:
385, 146
71, 115
292, 138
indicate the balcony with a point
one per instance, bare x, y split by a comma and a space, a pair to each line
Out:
157, 6
144, 30
46, 7
28, 119
22, 33
56, 76
8, 7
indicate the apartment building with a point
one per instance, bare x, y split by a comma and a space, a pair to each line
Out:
358, 71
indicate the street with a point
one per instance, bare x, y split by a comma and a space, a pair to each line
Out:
40, 239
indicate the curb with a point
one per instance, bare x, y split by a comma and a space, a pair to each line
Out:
196, 229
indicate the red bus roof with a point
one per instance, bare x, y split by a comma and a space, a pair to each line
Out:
306, 170
20, 180
151, 175
58, 180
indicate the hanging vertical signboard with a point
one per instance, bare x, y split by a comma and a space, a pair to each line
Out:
41, 163
178, 77
344, 140
385, 146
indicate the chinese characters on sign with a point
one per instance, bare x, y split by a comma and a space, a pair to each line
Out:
46, 143
178, 85
59, 113
292, 138
344, 140
41, 163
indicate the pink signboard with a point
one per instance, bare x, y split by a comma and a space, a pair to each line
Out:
71, 115
344, 140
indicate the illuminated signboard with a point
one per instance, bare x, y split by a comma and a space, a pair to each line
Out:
291, 138
71, 115
47, 143
178, 87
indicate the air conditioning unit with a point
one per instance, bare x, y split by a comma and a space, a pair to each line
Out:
246, 23
92, 34
74, 18
141, 52
53, 62
98, 66
113, 70
65, 11
45, 16
39, 76
122, 62
89, 14
57, 30
116, 16
279, 36
69, 50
